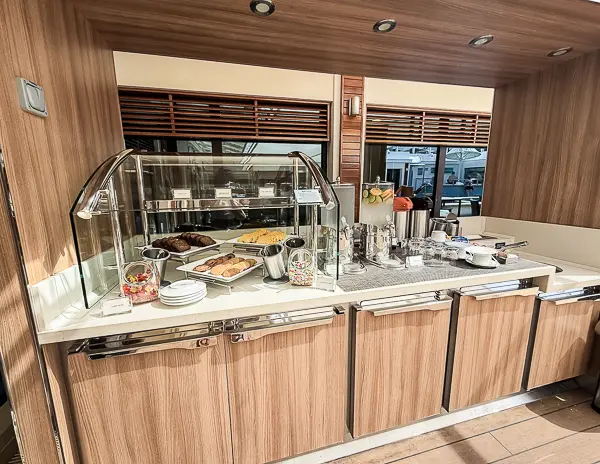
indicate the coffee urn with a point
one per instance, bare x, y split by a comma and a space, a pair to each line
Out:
402, 207
419, 217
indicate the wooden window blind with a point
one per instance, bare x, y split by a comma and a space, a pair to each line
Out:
165, 113
412, 126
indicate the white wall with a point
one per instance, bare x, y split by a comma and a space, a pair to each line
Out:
425, 95
206, 76
138, 70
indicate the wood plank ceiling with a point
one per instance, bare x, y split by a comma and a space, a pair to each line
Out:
429, 43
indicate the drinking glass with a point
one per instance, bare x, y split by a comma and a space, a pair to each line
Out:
439, 254
428, 254
414, 246
452, 254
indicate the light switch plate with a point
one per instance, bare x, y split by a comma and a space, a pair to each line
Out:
31, 97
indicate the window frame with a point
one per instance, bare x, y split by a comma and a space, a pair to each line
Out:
440, 166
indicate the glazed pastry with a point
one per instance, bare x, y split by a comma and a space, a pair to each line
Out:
173, 244
231, 272
252, 237
219, 269
271, 237
198, 240
205, 240
208, 265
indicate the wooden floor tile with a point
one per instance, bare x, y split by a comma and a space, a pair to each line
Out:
464, 430
545, 429
482, 449
580, 448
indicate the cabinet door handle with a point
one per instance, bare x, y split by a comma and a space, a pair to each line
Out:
108, 352
385, 310
519, 292
255, 334
582, 298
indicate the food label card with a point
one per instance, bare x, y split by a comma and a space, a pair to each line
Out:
266, 192
182, 194
222, 193
308, 197
414, 261
116, 306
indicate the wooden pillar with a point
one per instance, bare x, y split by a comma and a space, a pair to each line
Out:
46, 161
352, 136
18, 350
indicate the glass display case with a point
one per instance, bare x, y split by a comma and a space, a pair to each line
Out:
135, 198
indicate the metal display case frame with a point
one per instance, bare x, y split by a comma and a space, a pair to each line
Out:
100, 197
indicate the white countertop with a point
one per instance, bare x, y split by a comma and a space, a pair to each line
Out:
574, 276
250, 297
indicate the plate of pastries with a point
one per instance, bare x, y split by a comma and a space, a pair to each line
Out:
225, 267
186, 244
260, 238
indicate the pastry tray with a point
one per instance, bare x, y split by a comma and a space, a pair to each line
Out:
193, 249
257, 246
189, 268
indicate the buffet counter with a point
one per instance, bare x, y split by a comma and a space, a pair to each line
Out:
256, 366
251, 297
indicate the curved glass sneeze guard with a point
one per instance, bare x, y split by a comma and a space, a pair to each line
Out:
135, 197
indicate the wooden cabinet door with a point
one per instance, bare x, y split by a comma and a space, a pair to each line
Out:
399, 364
563, 341
491, 344
287, 392
161, 407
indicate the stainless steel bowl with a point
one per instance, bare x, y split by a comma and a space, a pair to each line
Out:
273, 258
159, 257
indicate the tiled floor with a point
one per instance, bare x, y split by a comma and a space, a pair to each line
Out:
561, 429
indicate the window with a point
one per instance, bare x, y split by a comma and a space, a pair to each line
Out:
403, 165
317, 151
464, 173
415, 167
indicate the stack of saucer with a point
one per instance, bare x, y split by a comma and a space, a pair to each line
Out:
183, 292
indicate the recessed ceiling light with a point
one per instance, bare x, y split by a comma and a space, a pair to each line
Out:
385, 25
262, 7
481, 41
560, 52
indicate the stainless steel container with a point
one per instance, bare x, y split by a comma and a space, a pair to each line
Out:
402, 223
159, 257
290, 244
374, 241
437, 224
273, 257
419, 223
452, 228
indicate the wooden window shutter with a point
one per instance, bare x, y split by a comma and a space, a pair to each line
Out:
414, 126
166, 113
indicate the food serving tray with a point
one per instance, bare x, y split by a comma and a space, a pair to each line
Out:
189, 268
192, 251
258, 246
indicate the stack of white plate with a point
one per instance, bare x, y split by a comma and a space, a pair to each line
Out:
183, 292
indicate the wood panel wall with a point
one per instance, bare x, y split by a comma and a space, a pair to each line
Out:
544, 154
48, 160
18, 352
352, 136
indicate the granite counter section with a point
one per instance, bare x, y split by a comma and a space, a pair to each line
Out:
376, 277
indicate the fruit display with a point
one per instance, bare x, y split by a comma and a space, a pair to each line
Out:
141, 282
376, 195
377, 202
